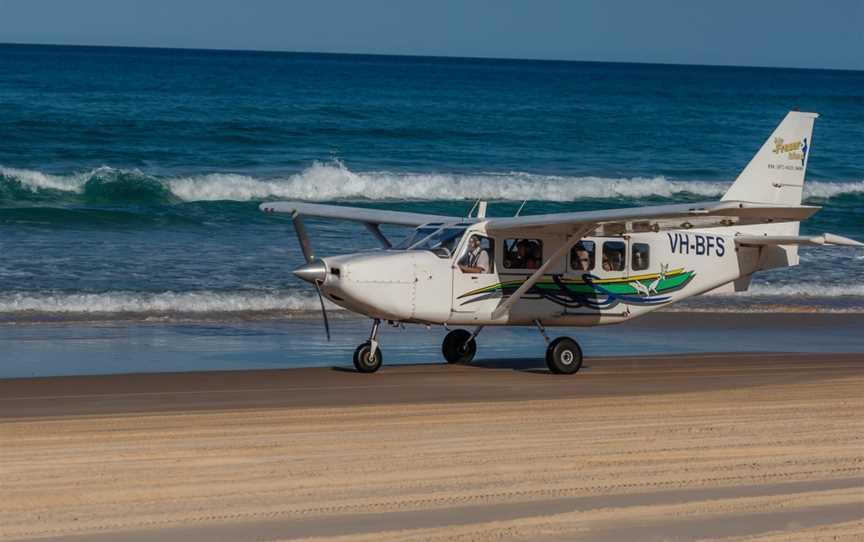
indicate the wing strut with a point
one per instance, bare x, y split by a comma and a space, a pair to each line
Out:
375, 230
537, 275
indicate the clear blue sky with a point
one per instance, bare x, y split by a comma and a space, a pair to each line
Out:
788, 33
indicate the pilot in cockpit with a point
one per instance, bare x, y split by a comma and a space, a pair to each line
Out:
476, 260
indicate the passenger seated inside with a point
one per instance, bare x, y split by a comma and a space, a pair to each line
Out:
535, 255
476, 259
640, 257
518, 252
613, 256
582, 256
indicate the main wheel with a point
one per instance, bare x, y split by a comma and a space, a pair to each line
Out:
364, 362
563, 356
459, 347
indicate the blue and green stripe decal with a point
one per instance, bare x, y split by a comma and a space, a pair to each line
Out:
591, 291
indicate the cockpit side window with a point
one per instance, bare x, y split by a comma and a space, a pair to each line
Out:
478, 256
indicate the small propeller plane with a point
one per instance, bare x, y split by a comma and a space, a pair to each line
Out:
566, 269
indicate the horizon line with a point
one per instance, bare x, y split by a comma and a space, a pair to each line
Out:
414, 55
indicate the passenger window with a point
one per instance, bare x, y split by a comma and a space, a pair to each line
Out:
523, 253
641, 257
479, 256
613, 256
582, 256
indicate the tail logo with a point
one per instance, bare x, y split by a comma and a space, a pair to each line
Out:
794, 150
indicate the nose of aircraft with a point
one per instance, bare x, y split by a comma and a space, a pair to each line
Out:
314, 271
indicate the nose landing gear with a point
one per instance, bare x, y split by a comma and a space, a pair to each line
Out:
368, 356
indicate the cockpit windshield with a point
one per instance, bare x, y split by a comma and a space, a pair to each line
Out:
416, 235
442, 242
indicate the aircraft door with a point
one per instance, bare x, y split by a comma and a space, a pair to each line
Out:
475, 278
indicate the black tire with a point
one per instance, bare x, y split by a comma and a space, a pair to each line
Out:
563, 356
457, 348
362, 361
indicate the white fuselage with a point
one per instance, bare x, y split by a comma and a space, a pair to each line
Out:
421, 286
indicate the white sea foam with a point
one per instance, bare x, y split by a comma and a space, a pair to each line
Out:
322, 182
155, 303
334, 181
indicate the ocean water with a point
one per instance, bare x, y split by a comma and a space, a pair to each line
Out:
130, 178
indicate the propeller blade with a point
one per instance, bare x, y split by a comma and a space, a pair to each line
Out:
323, 310
309, 254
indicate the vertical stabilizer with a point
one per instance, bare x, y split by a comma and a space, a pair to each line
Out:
776, 172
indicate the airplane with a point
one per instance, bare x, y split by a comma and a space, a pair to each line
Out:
565, 269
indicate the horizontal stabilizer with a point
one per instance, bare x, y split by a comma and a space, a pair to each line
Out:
824, 239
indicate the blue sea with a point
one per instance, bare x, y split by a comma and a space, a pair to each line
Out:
130, 178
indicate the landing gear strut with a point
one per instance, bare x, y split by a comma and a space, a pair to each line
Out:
459, 345
563, 355
368, 357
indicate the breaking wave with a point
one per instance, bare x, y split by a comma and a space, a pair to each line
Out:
334, 181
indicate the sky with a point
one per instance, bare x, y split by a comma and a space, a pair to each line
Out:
790, 33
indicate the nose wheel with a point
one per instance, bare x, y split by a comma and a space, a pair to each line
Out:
368, 356
366, 361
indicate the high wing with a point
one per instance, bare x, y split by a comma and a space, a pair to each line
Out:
650, 218
657, 217
357, 214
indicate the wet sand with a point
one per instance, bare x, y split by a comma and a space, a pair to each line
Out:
719, 446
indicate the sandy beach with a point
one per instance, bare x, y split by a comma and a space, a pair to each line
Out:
754, 447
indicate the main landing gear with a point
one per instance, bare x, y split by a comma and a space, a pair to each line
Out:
563, 355
459, 345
